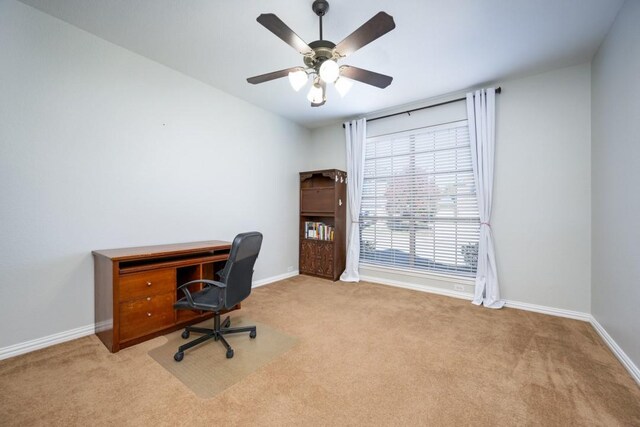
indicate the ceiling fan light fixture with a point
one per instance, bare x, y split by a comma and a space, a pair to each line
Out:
343, 85
329, 71
316, 94
321, 56
298, 79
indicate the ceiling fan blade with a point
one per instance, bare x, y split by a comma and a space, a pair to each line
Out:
375, 27
271, 76
366, 76
274, 24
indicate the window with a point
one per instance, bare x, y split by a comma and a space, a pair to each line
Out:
419, 209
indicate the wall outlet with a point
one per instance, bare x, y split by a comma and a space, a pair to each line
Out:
290, 268
458, 287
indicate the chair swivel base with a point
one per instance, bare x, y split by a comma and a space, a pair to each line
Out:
220, 329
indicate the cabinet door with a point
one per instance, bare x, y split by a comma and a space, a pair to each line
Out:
316, 257
308, 257
317, 200
325, 259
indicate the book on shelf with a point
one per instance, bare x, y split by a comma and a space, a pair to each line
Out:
318, 231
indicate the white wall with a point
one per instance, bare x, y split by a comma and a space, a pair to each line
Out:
327, 149
541, 216
542, 195
616, 175
102, 148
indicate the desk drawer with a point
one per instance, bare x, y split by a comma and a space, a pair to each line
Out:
145, 315
152, 282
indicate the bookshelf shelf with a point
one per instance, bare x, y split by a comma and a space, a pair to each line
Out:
323, 207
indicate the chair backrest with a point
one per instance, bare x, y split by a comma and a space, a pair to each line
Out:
238, 271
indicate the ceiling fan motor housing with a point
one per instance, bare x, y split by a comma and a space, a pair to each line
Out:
323, 50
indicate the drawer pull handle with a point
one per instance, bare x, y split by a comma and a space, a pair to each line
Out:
148, 298
148, 283
148, 314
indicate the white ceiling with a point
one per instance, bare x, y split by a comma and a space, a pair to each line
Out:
437, 47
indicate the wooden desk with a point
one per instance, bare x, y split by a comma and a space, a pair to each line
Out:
135, 289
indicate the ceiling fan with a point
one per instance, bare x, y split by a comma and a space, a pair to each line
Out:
321, 56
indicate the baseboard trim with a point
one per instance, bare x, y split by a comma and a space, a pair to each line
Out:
38, 343
421, 288
616, 350
273, 279
560, 312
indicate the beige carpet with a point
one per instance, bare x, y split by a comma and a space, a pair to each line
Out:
367, 355
205, 368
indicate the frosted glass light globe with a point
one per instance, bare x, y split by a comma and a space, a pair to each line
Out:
298, 79
315, 95
343, 85
329, 71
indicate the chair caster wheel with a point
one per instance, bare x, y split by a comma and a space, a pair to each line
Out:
252, 334
229, 354
178, 356
185, 334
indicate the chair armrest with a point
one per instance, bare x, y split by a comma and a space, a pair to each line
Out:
184, 287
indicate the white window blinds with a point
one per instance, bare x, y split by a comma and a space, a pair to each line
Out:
419, 209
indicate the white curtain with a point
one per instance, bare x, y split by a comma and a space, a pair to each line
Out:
481, 108
355, 134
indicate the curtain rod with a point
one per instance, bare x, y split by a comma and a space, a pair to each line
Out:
498, 90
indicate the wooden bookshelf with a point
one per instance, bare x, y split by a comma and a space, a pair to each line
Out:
323, 207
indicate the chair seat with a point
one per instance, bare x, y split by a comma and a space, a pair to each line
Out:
210, 298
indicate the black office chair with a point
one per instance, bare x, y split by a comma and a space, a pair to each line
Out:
233, 287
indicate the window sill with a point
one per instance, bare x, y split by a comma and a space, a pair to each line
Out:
469, 281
